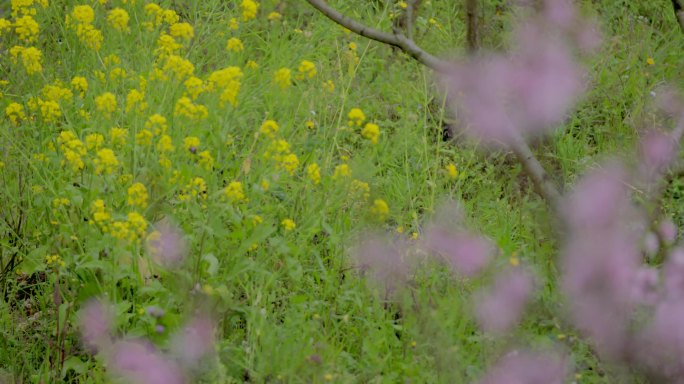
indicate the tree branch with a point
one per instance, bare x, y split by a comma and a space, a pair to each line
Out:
541, 180
396, 39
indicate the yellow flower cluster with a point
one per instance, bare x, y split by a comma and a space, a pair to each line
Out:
31, 58
356, 117
306, 69
380, 209
279, 151
249, 9
72, 149
54, 261
341, 171
227, 81
313, 172
178, 67
137, 195
100, 215
132, 229
185, 107
118, 18
182, 30
360, 188
81, 20
234, 192
15, 113
283, 78
106, 162
235, 45
269, 128
117, 136
371, 132
94, 141
106, 103
80, 85
288, 224
27, 29
135, 101
451, 171
197, 187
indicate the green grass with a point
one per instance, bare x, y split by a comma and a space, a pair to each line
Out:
290, 305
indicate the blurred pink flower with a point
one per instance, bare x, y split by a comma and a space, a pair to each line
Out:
96, 324
464, 252
523, 367
658, 150
385, 261
501, 306
140, 363
500, 97
194, 341
167, 244
661, 343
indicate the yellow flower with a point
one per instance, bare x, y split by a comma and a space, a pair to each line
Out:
329, 86
5, 25
233, 24
54, 261
306, 69
106, 161
106, 103
137, 225
265, 185
57, 93
402, 5
182, 30
117, 136
185, 107
100, 215
15, 113
251, 64
118, 19
191, 144
83, 14
135, 101
289, 163
206, 160
234, 44
117, 73
380, 209
313, 172
341, 171
157, 124
451, 170
59, 202
371, 132
27, 29
269, 128
223, 77
230, 93
274, 16
144, 137
356, 117
79, 84
165, 144
137, 195
352, 46
283, 78
288, 224
360, 188
234, 192
650, 61
194, 86
167, 45
256, 220
94, 141
178, 67
31, 58
90, 36
249, 9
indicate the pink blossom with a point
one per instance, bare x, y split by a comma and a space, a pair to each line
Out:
500, 307
523, 367
194, 341
141, 363
96, 324
466, 253
167, 244
385, 261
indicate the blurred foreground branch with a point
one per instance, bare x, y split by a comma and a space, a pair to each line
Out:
679, 12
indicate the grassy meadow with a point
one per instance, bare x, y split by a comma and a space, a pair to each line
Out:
272, 140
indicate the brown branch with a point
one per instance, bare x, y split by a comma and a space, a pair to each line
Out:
543, 183
396, 39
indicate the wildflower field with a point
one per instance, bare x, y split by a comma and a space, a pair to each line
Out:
225, 191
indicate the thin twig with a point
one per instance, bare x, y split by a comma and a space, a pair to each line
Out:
471, 17
396, 39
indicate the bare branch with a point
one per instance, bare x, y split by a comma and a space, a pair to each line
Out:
542, 181
679, 12
396, 39
471, 16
